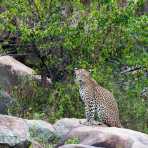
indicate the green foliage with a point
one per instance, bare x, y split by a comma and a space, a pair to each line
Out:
37, 102
74, 140
30, 100
102, 37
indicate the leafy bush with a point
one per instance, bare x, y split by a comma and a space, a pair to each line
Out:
74, 140
62, 35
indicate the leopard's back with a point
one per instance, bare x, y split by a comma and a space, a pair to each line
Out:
108, 105
105, 103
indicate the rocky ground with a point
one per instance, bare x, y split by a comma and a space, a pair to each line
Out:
66, 133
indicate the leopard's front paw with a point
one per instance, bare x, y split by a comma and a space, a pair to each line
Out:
96, 122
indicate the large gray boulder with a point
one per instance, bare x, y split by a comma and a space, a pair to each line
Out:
13, 132
12, 72
63, 126
40, 130
5, 102
20, 133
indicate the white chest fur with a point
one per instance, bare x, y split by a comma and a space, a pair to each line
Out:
85, 95
82, 93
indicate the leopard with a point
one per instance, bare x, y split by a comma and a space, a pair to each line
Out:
98, 101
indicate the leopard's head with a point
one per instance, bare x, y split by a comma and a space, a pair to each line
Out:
81, 75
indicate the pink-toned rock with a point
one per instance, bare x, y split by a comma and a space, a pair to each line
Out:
18, 132
21, 132
110, 137
65, 125
13, 131
11, 72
